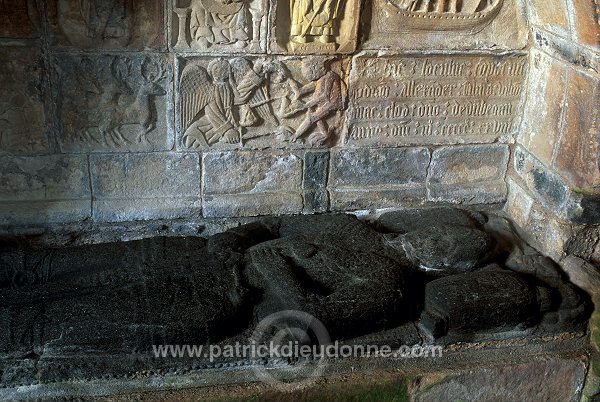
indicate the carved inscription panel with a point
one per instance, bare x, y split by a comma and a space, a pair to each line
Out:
433, 100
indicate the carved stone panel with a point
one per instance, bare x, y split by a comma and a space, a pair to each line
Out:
19, 19
114, 103
445, 24
22, 115
259, 102
130, 24
314, 27
433, 99
219, 26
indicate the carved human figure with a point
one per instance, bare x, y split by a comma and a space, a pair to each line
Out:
208, 101
326, 89
313, 20
221, 22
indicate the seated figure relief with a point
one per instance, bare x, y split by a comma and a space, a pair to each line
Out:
236, 101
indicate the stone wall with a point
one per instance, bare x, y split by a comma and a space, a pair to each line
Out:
133, 110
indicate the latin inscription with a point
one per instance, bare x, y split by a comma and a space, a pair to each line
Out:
437, 99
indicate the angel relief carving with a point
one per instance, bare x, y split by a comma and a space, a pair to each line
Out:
239, 101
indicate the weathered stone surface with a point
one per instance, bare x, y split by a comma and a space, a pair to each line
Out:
346, 281
114, 103
207, 27
22, 114
242, 183
518, 204
316, 171
259, 102
551, 380
585, 22
543, 113
19, 19
440, 249
145, 186
397, 100
377, 178
547, 186
578, 154
314, 28
136, 24
44, 189
414, 219
550, 14
489, 300
423, 25
468, 174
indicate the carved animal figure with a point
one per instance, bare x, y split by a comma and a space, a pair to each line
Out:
135, 107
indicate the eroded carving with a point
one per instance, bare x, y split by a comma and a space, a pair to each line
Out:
244, 101
315, 26
107, 23
437, 99
220, 25
123, 98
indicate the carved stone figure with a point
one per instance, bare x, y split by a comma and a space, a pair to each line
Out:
313, 20
221, 22
327, 97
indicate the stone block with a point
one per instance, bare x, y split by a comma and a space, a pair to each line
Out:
20, 19
548, 187
235, 27
316, 171
251, 183
585, 22
472, 174
550, 380
132, 25
551, 15
277, 103
145, 186
518, 204
464, 25
578, 153
44, 189
22, 112
543, 115
114, 103
314, 27
435, 99
377, 178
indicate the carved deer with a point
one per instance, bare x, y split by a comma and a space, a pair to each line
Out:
135, 107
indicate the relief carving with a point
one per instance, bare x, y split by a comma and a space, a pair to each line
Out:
123, 99
315, 26
260, 102
219, 25
112, 23
438, 15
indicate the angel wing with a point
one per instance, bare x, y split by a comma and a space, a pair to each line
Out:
197, 90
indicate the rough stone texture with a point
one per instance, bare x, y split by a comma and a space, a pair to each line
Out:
135, 24
503, 29
414, 219
550, 14
553, 380
543, 114
19, 19
242, 183
360, 178
316, 170
44, 188
470, 174
446, 249
519, 203
114, 103
578, 152
145, 186
585, 22
22, 112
